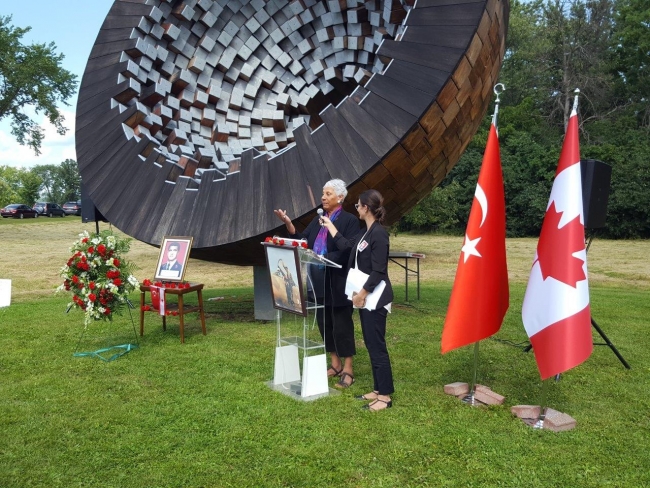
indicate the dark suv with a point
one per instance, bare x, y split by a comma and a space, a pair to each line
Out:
49, 209
72, 208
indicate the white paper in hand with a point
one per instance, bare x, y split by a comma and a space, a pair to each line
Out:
355, 281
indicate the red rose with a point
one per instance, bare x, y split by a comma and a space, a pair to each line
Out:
92, 297
107, 311
146, 282
91, 285
101, 249
116, 263
282, 242
91, 250
84, 240
117, 282
304, 244
294, 243
75, 279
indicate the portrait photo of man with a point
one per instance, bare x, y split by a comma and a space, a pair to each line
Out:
173, 254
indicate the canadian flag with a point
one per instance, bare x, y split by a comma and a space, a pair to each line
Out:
556, 312
480, 295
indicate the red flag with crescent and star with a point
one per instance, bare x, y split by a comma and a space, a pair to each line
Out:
556, 311
480, 295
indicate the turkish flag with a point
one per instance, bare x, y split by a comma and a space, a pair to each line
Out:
480, 296
556, 312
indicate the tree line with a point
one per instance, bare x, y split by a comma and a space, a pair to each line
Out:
48, 183
601, 47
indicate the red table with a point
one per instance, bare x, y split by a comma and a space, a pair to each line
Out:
179, 306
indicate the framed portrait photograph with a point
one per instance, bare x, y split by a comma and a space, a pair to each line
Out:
286, 282
174, 252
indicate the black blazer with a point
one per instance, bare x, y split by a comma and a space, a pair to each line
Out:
372, 260
348, 226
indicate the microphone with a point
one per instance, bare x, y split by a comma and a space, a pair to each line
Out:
320, 214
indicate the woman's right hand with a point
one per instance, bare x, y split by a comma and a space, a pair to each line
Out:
282, 215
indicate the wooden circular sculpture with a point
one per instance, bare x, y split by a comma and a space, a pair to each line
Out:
200, 117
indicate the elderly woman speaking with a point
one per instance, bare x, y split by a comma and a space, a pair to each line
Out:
335, 318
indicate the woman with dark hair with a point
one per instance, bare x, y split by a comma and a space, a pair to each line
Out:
328, 284
370, 255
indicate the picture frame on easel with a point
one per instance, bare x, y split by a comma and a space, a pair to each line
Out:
283, 264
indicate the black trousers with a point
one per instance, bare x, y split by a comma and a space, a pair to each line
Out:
373, 325
337, 329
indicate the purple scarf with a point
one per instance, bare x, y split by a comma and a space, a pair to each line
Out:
320, 244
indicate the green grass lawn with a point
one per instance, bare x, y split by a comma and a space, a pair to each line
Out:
200, 414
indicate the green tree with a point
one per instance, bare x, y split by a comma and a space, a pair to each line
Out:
60, 183
49, 190
631, 47
31, 77
69, 181
30, 185
9, 185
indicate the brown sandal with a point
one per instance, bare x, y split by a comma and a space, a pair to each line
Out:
342, 384
366, 398
335, 372
388, 403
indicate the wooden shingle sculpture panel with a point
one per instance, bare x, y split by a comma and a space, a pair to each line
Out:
199, 117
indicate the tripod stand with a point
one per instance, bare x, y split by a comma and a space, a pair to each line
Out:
597, 327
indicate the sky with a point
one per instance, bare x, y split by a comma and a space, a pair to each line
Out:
73, 26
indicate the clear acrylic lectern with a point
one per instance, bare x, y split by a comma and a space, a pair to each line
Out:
298, 338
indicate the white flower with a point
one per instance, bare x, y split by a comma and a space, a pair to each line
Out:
133, 281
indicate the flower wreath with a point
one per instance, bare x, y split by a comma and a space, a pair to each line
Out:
97, 277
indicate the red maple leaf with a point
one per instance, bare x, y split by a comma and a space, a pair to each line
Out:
556, 246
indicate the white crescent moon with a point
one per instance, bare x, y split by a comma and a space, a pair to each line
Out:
479, 194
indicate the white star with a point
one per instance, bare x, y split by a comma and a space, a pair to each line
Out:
469, 248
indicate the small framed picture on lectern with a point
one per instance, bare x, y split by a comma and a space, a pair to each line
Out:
286, 283
174, 252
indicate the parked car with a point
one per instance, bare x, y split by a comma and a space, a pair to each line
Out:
72, 208
49, 209
18, 211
